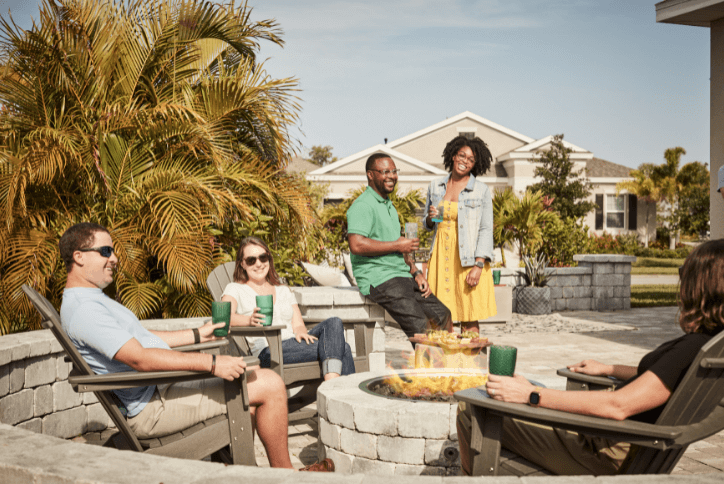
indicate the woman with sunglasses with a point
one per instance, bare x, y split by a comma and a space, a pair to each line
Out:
459, 270
254, 275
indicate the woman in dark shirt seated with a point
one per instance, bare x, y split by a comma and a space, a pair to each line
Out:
642, 397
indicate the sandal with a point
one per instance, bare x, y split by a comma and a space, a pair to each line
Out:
324, 466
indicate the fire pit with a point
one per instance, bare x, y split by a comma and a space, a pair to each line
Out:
364, 432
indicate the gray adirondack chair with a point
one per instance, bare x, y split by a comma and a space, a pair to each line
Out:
694, 411
206, 438
304, 377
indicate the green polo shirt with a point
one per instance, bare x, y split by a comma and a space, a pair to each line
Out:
375, 217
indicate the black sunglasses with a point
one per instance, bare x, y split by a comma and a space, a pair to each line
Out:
105, 251
263, 258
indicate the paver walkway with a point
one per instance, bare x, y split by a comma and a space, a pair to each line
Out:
633, 334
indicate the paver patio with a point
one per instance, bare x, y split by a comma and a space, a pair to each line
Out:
633, 334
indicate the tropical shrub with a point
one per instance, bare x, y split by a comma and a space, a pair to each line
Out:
154, 119
610, 244
562, 239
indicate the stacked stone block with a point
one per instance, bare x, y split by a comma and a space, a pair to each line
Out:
35, 393
369, 434
601, 282
610, 280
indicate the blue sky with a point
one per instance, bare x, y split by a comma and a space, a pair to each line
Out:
602, 72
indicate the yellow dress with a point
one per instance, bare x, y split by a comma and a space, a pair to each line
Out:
446, 275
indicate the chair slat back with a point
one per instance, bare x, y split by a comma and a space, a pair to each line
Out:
51, 321
700, 391
219, 279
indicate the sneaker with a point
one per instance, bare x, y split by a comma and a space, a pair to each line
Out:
324, 466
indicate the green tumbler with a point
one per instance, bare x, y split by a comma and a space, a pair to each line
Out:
266, 307
221, 313
496, 277
502, 360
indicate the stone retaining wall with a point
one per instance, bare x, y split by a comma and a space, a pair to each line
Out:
34, 389
601, 282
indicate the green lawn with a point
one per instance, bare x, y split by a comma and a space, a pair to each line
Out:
650, 265
653, 295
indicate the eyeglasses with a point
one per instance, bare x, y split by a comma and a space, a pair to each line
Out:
263, 258
387, 172
462, 157
105, 251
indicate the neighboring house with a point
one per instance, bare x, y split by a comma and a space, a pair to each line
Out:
419, 157
300, 165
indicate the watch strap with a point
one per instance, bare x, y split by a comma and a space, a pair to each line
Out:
414, 274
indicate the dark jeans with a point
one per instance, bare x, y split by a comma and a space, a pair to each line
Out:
401, 297
330, 349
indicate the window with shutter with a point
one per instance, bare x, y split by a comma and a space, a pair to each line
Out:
632, 212
599, 212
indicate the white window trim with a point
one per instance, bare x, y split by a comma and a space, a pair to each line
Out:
606, 228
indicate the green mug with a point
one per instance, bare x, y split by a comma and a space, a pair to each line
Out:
221, 313
502, 360
266, 307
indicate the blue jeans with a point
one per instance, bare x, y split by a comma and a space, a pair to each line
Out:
330, 349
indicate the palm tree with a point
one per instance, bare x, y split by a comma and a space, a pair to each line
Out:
502, 207
152, 118
644, 188
526, 218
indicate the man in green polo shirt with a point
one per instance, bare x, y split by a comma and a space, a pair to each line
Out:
379, 264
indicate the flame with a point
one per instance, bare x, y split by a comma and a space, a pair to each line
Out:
415, 386
435, 357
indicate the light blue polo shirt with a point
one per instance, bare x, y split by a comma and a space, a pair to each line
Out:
376, 218
99, 326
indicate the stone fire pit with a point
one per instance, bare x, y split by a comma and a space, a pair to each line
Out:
372, 434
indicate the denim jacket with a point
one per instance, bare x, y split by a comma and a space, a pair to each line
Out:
475, 218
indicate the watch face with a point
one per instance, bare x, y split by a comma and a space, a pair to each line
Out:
534, 398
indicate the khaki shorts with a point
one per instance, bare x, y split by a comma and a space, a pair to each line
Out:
179, 406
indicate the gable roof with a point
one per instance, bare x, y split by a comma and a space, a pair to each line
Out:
378, 149
598, 168
455, 119
537, 144
300, 165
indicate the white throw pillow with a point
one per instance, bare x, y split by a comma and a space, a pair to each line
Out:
326, 276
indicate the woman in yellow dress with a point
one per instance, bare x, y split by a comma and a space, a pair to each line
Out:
459, 271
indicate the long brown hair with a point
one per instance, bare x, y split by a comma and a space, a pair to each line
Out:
701, 293
240, 274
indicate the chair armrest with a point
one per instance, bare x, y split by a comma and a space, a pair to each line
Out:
649, 435
578, 381
363, 331
134, 379
254, 331
209, 345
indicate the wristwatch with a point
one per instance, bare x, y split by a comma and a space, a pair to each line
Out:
479, 263
414, 274
534, 398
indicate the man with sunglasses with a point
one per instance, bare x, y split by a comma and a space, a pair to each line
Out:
111, 339
380, 255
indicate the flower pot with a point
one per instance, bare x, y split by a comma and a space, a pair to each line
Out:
533, 300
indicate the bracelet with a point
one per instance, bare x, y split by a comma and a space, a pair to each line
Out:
197, 336
414, 274
213, 364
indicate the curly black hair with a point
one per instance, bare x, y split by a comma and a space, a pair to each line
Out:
483, 158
